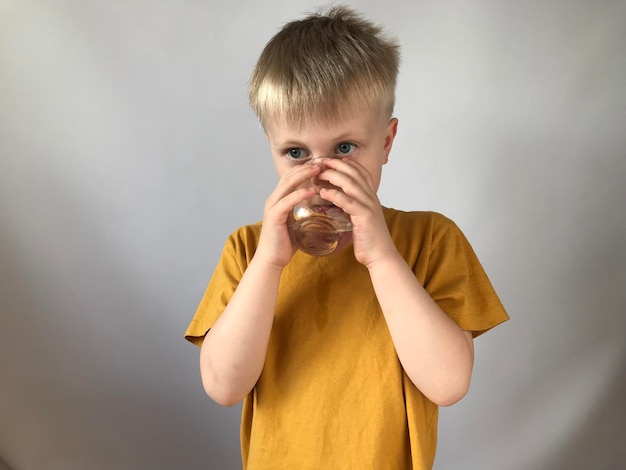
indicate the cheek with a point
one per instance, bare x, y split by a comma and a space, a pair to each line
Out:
375, 174
375, 170
376, 181
280, 166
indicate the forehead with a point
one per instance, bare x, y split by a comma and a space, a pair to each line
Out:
357, 123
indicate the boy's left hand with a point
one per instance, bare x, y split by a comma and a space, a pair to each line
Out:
358, 198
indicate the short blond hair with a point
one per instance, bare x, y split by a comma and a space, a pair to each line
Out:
328, 63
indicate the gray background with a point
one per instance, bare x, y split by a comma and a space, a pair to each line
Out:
128, 153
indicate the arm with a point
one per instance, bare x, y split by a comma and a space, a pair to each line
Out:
435, 353
234, 349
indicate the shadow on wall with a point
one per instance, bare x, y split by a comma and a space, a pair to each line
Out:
567, 214
594, 444
596, 273
79, 348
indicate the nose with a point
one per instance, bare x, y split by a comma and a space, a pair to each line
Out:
319, 159
317, 183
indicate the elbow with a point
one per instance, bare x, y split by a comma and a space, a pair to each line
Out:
226, 401
223, 396
450, 399
455, 386
218, 387
445, 392
451, 394
222, 391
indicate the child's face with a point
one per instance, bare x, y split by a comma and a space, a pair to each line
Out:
363, 136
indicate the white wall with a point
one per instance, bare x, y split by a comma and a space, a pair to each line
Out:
128, 153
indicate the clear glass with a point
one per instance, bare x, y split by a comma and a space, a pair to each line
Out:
318, 227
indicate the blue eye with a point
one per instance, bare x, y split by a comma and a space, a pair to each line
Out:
296, 154
345, 148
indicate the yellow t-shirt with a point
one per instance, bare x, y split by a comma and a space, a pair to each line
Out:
332, 394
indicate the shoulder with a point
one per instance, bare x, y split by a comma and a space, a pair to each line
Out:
247, 233
243, 241
426, 222
417, 233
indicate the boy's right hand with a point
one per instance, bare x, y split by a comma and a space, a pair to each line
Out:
275, 246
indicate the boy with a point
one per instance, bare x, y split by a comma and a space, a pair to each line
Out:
342, 361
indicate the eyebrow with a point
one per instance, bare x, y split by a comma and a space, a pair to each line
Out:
351, 136
290, 144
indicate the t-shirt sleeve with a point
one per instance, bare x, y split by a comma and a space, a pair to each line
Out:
458, 283
220, 289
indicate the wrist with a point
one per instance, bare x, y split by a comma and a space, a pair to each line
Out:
389, 260
267, 264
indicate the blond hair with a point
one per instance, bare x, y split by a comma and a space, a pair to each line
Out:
329, 63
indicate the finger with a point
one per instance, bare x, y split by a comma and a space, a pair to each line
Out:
352, 205
292, 180
353, 181
365, 174
340, 172
280, 209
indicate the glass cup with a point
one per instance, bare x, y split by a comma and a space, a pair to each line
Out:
318, 227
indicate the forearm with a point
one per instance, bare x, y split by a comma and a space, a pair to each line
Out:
233, 352
434, 352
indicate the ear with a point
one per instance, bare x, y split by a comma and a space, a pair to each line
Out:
392, 130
